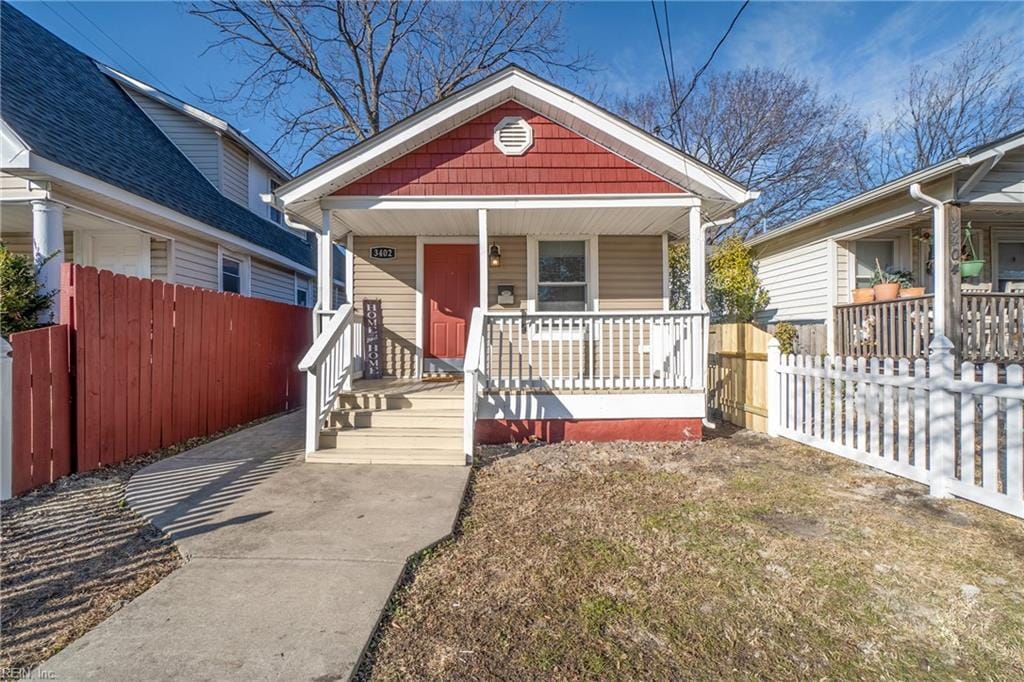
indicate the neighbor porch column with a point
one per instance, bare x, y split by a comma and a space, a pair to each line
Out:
697, 261
325, 263
48, 242
482, 255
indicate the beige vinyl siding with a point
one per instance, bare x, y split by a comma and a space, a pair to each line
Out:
1004, 183
196, 264
394, 282
197, 141
629, 273
21, 243
159, 257
797, 282
512, 271
272, 283
235, 180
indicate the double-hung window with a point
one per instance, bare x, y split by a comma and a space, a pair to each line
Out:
230, 275
561, 276
275, 214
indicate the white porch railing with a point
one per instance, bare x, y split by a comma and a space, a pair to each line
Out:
329, 369
594, 351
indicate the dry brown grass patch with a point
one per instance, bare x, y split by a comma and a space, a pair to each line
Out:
737, 557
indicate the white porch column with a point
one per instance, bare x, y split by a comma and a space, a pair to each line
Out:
350, 268
325, 263
48, 241
482, 255
697, 262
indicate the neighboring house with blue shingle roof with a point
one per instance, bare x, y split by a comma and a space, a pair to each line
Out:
114, 173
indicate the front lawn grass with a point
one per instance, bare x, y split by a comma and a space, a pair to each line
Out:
740, 557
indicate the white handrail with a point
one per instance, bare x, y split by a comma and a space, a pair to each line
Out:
471, 381
329, 366
323, 341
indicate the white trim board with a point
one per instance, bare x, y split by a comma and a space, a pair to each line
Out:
516, 202
512, 405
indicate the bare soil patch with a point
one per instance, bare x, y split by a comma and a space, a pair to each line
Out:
739, 557
73, 553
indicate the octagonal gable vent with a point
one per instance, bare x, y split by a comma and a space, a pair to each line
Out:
513, 136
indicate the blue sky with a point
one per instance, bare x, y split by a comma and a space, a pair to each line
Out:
856, 50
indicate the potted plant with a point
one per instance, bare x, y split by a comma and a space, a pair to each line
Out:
865, 295
887, 283
911, 291
970, 267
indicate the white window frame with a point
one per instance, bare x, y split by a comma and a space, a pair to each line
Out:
301, 284
998, 237
245, 270
899, 256
533, 267
272, 184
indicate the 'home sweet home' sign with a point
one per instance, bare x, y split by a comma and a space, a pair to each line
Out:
373, 323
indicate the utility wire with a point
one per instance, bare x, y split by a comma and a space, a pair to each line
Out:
74, 28
702, 69
118, 45
664, 57
672, 82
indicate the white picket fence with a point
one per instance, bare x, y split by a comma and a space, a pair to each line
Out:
960, 434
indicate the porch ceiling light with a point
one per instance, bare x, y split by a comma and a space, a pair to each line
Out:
494, 256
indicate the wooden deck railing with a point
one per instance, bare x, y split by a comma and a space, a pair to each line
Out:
991, 328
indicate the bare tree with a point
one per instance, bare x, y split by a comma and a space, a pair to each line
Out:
976, 97
334, 73
768, 130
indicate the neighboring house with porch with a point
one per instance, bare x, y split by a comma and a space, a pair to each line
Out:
102, 169
516, 237
811, 267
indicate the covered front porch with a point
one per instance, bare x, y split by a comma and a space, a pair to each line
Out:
984, 261
539, 309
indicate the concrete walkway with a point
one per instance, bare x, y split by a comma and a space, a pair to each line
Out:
289, 564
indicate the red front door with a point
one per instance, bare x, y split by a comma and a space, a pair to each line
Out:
451, 287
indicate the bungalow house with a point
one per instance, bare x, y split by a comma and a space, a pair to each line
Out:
962, 218
513, 237
99, 168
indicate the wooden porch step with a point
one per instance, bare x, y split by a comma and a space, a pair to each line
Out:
389, 456
413, 418
425, 400
391, 438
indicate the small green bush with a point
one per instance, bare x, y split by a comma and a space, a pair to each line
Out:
785, 334
21, 301
734, 292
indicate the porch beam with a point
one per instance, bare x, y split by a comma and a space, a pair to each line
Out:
467, 203
698, 250
482, 249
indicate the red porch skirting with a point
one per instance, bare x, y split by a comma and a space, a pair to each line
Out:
497, 431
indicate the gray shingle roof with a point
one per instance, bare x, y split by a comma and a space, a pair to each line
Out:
67, 111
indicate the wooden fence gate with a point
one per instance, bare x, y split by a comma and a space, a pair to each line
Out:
737, 374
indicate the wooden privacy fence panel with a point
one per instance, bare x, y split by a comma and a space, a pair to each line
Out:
158, 363
737, 374
41, 408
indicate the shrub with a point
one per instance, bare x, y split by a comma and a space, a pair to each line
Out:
21, 301
785, 334
734, 292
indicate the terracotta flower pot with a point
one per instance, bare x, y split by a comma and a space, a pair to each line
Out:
863, 295
887, 292
910, 292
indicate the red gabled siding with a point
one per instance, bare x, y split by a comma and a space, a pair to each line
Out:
466, 162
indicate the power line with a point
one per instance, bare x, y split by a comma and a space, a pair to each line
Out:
118, 45
702, 69
78, 31
672, 82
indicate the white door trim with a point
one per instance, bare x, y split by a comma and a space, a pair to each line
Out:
420, 242
83, 239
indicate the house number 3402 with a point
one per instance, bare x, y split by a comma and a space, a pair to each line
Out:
382, 252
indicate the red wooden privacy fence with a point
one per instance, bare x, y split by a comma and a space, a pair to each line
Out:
153, 364
41, 409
